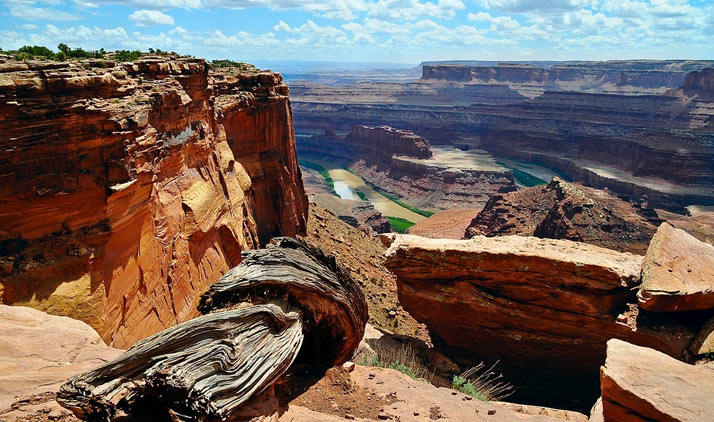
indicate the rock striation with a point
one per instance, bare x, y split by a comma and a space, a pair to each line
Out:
544, 308
620, 76
641, 384
129, 187
677, 273
654, 148
563, 210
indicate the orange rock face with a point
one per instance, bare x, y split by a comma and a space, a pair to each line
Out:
127, 189
545, 308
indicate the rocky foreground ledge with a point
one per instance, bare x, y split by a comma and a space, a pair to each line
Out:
547, 308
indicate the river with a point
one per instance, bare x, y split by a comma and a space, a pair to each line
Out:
347, 183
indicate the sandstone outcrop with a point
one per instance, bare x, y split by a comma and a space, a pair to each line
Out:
544, 308
129, 187
358, 214
562, 210
280, 301
677, 273
641, 384
701, 82
38, 352
385, 141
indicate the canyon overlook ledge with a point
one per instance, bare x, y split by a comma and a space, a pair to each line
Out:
128, 188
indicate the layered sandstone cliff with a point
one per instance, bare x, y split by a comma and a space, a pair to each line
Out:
562, 210
129, 187
638, 76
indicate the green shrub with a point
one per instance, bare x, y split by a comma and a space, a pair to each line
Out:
126, 55
402, 359
482, 384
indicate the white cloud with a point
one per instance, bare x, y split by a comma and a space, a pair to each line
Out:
33, 13
29, 27
521, 6
150, 17
413, 9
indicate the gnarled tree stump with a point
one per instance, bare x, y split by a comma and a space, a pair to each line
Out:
257, 318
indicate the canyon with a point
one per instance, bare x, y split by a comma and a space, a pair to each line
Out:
129, 187
161, 205
653, 146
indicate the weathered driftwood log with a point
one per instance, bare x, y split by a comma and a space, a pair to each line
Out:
257, 319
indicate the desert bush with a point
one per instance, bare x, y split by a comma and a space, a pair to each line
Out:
403, 359
483, 384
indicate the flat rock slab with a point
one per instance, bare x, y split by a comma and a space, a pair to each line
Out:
38, 352
677, 273
544, 308
641, 384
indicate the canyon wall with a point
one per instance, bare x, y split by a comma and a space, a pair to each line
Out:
612, 76
653, 148
128, 188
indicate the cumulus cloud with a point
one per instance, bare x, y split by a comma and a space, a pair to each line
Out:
33, 13
150, 17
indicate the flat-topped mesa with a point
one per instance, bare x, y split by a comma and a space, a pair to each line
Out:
545, 308
564, 210
129, 187
385, 141
700, 82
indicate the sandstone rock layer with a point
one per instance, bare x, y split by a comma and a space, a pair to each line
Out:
677, 273
641, 384
129, 188
544, 308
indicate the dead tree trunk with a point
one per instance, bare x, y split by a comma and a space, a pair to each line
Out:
256, 320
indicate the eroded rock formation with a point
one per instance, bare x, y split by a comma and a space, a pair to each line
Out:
544, 308
280, 302
405, 166
129, 187
641, 384
562, 210
677, 273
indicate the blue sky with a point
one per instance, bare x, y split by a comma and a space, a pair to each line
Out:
403, 31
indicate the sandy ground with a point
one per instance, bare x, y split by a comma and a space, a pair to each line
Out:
383, 204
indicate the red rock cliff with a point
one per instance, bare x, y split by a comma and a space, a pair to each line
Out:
128, 188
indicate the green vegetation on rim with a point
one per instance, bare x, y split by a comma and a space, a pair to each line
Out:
242, 66
399, 225
66, 53
323, 172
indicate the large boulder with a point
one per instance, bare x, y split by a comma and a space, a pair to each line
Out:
545, 308
677, 273
641, 384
